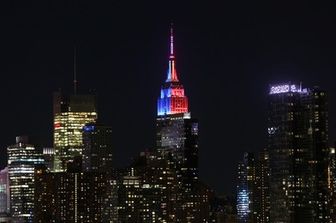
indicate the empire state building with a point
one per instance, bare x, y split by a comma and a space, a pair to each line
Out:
172, 99
177, 132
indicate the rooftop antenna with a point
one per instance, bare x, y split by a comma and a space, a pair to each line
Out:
75, 72
172, 40
172, 74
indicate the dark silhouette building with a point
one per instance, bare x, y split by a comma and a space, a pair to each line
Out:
332, 183
75, 197
262, 194
147, 192
298, 154
97, 148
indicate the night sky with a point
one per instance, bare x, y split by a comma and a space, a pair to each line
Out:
227, 55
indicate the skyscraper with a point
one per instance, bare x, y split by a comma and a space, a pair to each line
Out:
97, 150
177, 132
246, 188
298, 154
22, 159
4, 192
261, 194
177, 141
332, 183
319, 154
71, 113
253, 188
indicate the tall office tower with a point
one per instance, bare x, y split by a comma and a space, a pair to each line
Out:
97, 150
262, 196
75, 197
4, 192
332, 183
298, 154
253, 202
177, 139
71, 113
246, 189
319, 154
22, 159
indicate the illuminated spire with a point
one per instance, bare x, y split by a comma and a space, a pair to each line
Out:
172, 99
171, 75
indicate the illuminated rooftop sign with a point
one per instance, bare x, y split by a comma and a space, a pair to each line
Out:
285, 88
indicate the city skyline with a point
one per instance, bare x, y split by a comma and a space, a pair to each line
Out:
223, 103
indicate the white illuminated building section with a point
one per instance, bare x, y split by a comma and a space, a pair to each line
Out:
285, 88
22, 159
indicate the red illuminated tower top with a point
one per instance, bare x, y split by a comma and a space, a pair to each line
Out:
172, 99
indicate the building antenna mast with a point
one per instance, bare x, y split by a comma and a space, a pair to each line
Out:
75, 71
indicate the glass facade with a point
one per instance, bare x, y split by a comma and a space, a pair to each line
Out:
97, 150
246, 188
253, 189
4, 192
298, 154
22, 159
70, 116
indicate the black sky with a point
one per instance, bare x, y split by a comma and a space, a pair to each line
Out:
227, 55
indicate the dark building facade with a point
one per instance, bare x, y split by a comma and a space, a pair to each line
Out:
332, 183
75, 197
262, 195
97, 148
298, 154
147, 192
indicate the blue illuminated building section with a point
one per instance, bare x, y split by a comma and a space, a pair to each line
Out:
243, 205
245, 188
164, 107
88, 128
